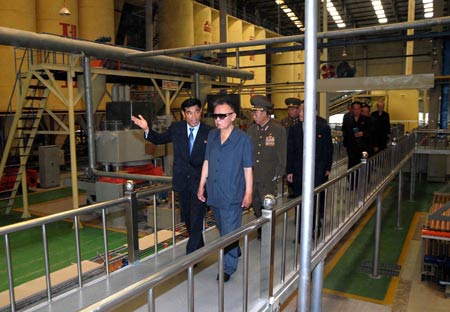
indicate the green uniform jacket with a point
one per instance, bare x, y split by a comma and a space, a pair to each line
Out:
269, 150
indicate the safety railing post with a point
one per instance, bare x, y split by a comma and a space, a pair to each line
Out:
362, 179
399, 199
394, 155
267, 250
131, 223
376, 252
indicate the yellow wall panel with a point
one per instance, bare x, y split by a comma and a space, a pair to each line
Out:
215, 26
404, 107
94, 25
176, 23
202, 25
282, 74
234, 34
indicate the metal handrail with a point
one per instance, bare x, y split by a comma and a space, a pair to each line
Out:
360, 201
130, 215
176, 267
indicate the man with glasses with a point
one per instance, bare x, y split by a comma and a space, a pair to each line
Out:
189, 139
269, 152
227, 175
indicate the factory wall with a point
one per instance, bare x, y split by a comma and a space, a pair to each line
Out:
43, 16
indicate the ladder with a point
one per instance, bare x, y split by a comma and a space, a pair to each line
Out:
22, 132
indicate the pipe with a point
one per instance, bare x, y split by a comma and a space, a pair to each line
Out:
309, 146
300, 38
89, 111
28, 39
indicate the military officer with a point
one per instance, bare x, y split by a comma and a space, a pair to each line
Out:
293, 105
269, 142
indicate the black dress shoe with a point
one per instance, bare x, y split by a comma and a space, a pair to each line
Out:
226, 277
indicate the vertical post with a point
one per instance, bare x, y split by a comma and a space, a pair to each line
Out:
394, 155
190, 289
47, 263
308, 154
131, 223
317, 286
223, 30
73, 149
89, 111
362, 179
376, 251
149, 25
267, 254
197, 85
413, 177
9, 269
399, 200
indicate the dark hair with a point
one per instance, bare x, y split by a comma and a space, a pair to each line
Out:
191, 102
223, 100
357, 102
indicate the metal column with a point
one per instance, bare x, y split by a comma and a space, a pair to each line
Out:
316, 305
308, 154
89, 111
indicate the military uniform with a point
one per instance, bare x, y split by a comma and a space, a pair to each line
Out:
269, 150
289, 121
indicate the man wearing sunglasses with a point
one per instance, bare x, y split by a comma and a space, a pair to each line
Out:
227, 174
189, 139
269, 152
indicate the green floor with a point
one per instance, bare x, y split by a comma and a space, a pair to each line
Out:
345, 276
27, 247
41, 197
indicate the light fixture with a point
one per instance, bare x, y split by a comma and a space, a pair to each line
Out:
379, 11
64, 10
288, 11
335, 14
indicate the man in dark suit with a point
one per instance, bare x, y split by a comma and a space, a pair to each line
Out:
356, 133
189, 138
381, 126
323, 158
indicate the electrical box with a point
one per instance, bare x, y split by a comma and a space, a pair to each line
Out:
49, 166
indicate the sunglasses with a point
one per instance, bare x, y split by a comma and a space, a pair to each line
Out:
221, 116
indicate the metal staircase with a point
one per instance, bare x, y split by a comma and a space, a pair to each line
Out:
23, 130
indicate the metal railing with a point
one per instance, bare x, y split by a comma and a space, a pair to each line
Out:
339, 204
129, 203
345, 197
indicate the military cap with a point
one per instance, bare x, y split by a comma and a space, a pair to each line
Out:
293, 102
260, 102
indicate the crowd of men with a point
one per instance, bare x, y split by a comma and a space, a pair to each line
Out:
364, 132
229, 170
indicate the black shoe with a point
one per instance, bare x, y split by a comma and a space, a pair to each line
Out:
226, 277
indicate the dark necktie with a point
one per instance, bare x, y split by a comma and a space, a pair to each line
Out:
191, 139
